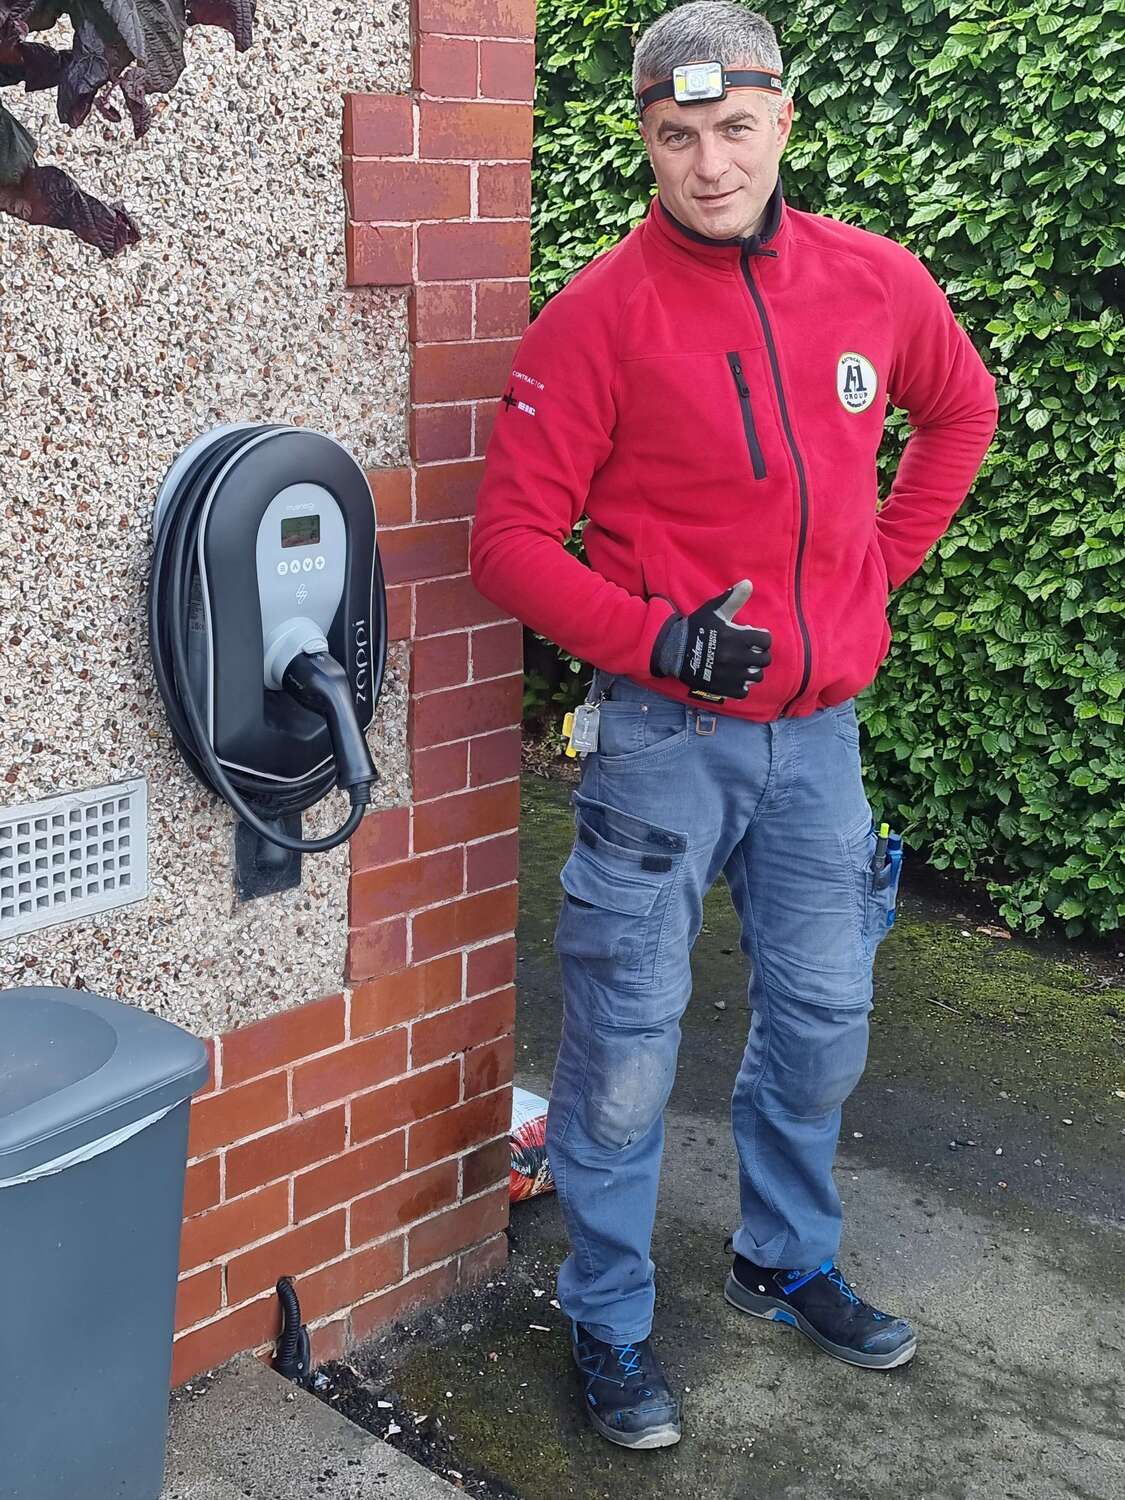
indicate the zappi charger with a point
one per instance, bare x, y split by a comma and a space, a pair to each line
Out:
267, 622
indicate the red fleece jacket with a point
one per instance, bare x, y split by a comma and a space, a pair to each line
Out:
715, 409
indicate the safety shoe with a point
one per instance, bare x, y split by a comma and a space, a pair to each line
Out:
823, 1306
626, 1394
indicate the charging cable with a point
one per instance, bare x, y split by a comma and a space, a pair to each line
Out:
315, 680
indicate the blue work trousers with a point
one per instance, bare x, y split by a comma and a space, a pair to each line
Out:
674, 797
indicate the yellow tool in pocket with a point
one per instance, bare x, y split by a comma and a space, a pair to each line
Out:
568, 735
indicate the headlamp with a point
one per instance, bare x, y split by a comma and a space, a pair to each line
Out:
703, 82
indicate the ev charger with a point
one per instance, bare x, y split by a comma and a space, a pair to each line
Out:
268, 623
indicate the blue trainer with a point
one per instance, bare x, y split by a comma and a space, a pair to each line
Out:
823, 1306
626, 1395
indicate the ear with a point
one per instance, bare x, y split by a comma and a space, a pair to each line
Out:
784, 123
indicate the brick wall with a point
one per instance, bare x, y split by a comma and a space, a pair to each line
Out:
358, 1142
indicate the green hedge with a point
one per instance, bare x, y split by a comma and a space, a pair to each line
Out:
987, 138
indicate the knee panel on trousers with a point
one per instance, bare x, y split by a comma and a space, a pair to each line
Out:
628, 1080
815, 1057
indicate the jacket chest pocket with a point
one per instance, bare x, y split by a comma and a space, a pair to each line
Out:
746, 408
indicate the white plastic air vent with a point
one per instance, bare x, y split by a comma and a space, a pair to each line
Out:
72, 855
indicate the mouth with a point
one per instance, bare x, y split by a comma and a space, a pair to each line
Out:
715, 200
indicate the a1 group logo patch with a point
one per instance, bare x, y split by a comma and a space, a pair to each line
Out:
856, 382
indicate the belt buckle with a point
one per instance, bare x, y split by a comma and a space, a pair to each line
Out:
706, 724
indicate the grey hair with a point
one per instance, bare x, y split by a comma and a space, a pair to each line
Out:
705, 30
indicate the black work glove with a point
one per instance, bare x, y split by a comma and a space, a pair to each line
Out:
709, 653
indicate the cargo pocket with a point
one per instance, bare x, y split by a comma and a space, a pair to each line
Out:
617, 885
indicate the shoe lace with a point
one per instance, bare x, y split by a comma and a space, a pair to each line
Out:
628, 1358
835, 1277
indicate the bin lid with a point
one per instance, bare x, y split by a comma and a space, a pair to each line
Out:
76, 1067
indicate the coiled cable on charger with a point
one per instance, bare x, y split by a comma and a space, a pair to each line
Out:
174, 603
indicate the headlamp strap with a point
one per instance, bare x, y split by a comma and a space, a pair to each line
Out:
702, 83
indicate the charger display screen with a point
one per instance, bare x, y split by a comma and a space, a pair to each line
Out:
300, 531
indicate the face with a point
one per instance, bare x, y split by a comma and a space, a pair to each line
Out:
716, 164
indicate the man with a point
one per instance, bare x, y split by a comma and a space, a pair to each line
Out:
711, 394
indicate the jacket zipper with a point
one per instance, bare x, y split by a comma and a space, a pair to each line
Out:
802, 482
751, 431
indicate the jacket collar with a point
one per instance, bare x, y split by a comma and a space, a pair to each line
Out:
721, 255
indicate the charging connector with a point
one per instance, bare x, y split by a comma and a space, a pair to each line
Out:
319, 683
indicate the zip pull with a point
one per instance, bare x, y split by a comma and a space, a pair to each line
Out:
739, 378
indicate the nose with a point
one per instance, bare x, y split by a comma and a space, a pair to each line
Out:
711, 159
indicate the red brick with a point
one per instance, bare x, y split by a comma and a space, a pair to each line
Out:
441, 311
495, 757
501, 308
461, 371
474, 132
425, 1290
283, 1152
211, 1046
382, 838
507, 70
486, 1166
329, 1341
339, 1074
490, 1065
348, 1176
458, 1228
467, 815
404, 1202
350, 1280
482, 1261
402, 997
484, 419
290, 1254
437, 433
449, 489
439, 661
378, 256
233, 1225
491, 863
199, 1296
448, 252
236, 1113
270, 1044
390, 490
477, 17
490, 968
497, 650
398, 888
442, 769
201, 1186
446, 68
377, 949
411, 553
457, 1129
504, 192
456, 713
378, 125
411, 1099
451, 604
399, 603
215, 1343
465, 1026
402, 192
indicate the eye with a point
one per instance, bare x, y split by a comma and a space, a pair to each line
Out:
736, 132
675, 138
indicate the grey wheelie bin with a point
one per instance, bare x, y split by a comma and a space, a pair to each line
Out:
94, 1099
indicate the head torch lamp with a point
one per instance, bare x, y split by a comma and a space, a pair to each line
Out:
704, 82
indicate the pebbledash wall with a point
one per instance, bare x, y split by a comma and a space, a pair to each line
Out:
353, 1133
